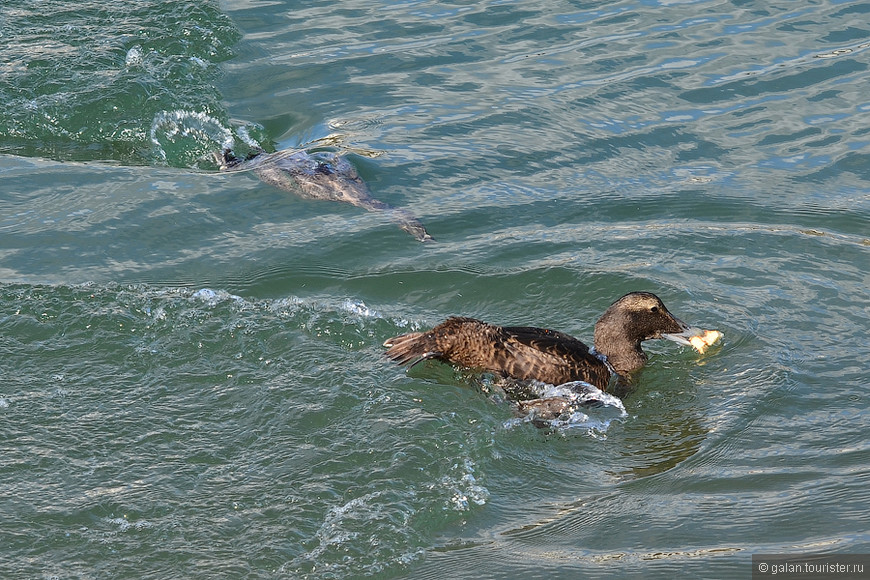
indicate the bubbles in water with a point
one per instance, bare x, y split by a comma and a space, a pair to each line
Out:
215, 297
359, 307
185, 137
134, 57
355, 537
581, 392
246, 138
122, 524
466, 489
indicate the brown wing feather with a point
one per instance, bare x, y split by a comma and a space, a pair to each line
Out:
551, 341
553, 357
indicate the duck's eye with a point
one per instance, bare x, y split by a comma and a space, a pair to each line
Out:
654, 309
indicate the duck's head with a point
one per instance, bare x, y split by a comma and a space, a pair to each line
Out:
635, 317
224, 159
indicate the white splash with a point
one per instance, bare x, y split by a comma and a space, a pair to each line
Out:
169, 126
591, 409
125, 525
465, 490
134, 57
215, 297
359, 307
246, 138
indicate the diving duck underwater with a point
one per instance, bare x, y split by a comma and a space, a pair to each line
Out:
320, 175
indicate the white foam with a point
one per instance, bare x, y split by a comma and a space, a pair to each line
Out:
579, 392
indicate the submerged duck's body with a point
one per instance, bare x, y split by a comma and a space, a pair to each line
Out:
321, 175
539, 354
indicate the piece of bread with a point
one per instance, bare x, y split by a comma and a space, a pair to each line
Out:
704, 341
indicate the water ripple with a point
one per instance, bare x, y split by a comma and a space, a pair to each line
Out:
215, 401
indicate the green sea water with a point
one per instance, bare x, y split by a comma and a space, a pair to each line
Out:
193, 383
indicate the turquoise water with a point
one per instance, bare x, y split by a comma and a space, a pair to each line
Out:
193, 382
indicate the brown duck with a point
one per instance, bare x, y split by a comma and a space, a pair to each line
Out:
529, 353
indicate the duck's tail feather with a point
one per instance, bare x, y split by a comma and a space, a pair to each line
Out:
412, 348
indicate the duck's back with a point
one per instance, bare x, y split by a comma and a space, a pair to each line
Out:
521, 352
322, 175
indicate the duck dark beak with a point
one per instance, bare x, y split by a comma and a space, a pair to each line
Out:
684, 336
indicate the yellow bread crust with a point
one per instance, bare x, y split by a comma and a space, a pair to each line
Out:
704, 341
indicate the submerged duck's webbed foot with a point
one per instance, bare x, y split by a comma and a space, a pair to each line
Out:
410, 224
417, 230
544, 409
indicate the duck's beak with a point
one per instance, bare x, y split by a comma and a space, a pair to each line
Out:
697, 338
219, 159
224, 159
680, 331
683, 337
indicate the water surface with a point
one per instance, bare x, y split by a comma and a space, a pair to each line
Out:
193, 378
